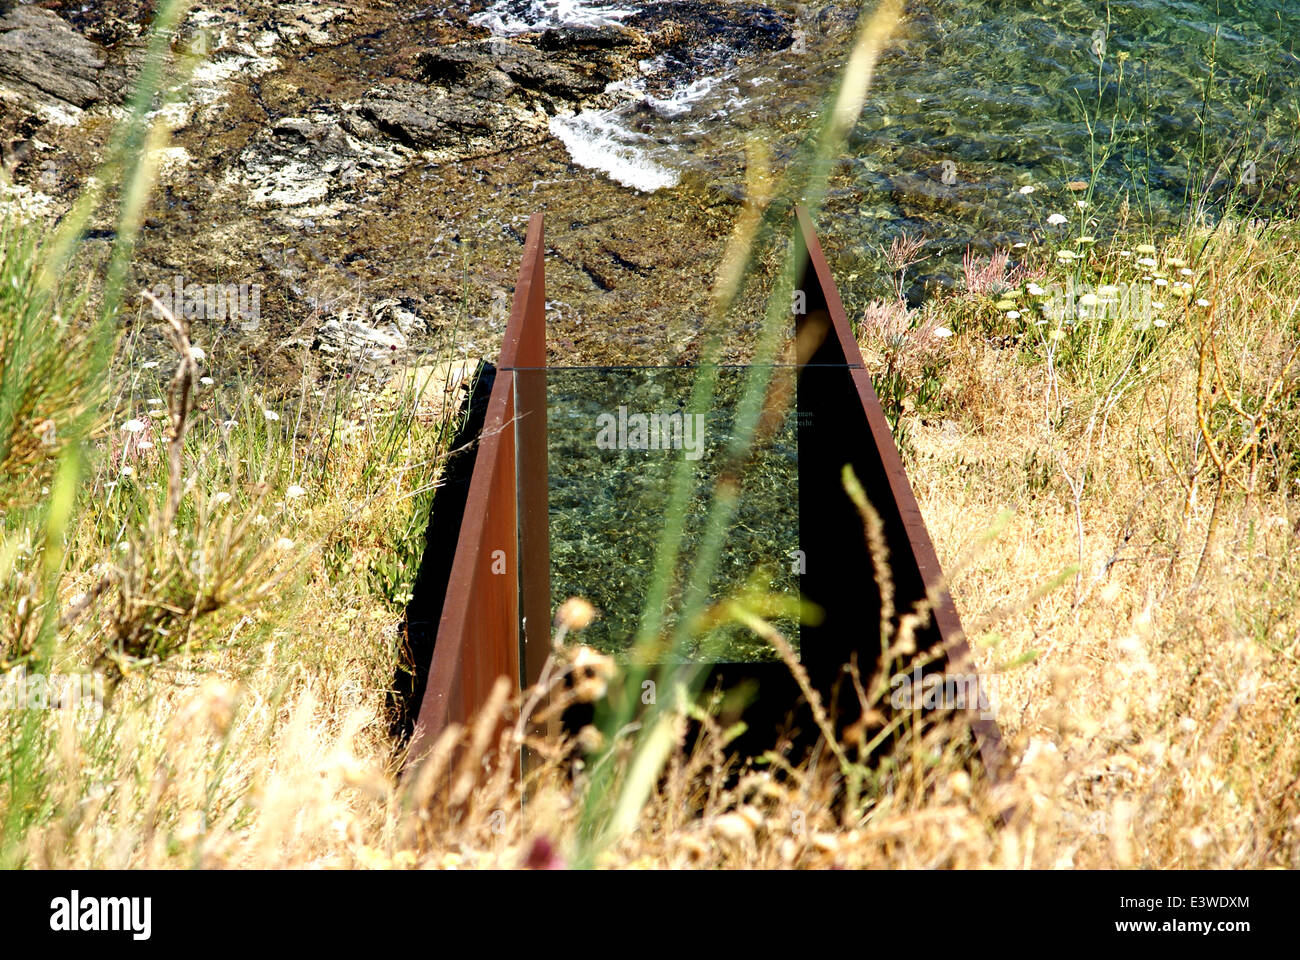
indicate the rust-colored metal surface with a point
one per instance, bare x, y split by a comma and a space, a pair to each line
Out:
834, 376
501, 568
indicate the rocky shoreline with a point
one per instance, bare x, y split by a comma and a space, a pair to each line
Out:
372, 169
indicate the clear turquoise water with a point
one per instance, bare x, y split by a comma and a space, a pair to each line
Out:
1005, 91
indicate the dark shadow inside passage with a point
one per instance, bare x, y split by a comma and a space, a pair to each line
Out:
424, 611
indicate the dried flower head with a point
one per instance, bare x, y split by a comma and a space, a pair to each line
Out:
592, 672
575, 614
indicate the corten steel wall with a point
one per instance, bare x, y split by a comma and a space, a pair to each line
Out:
501, 570
841, 421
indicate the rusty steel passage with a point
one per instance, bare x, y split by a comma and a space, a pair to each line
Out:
497, 594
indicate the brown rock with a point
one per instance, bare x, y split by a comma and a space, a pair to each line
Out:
45, 63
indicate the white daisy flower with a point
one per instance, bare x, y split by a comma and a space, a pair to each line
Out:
270, 415
295, 491
1027, 189
133, 426
1056, 220
942, 332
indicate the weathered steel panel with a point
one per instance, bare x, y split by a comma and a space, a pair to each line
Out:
478, 636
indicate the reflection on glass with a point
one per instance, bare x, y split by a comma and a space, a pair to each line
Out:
615, 438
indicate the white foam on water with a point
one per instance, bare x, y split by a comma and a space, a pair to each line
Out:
508, 17
683, 99
603, 140
595, 139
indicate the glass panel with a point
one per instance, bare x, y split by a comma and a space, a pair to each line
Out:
616, 436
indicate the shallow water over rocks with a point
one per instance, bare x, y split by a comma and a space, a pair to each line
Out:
345, 157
